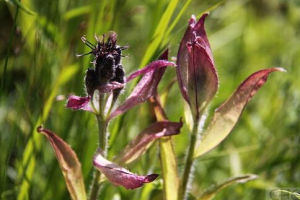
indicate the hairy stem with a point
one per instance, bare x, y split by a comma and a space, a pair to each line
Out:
189, 161
102, 126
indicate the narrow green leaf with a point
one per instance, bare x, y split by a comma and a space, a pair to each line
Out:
211, 8
213, 190
22, 6
175, 21
168, 37
159, 32
26, 169
169, 168
69, 164
227, 115
26, 23
75, 12
167, 156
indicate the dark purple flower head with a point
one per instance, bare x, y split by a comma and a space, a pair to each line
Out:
196, 71
107, 64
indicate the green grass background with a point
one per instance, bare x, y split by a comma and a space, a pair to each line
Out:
38, 44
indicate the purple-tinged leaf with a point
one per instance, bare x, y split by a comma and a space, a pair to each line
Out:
152, 66
227, 115
143, 91
69, 164
144, 140
79, 103
120, 176
196, 73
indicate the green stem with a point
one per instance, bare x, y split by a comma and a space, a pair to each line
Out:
102, 125
95, 187
189, 161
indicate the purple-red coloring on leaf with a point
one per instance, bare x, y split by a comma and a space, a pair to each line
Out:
143, 141
120, 176
152, 66
196, 73
68, 162
145, 88
79, 103
228, 114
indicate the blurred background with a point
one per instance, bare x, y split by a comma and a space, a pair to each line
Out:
39, 69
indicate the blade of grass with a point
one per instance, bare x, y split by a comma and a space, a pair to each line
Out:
211, 8
75, 12
27, 25
182, 11
159, 32
9, 47
24, 8
212, 191
168, 37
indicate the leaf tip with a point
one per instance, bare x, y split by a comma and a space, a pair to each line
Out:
248, 177
280, 69
40, 129
151, 177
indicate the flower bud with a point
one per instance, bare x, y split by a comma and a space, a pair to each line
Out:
196, 73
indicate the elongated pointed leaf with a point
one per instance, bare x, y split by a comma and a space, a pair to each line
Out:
169, 168
152, 66
144, 140
120, 176
69, 164
227, 115
143, 91
212, 191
